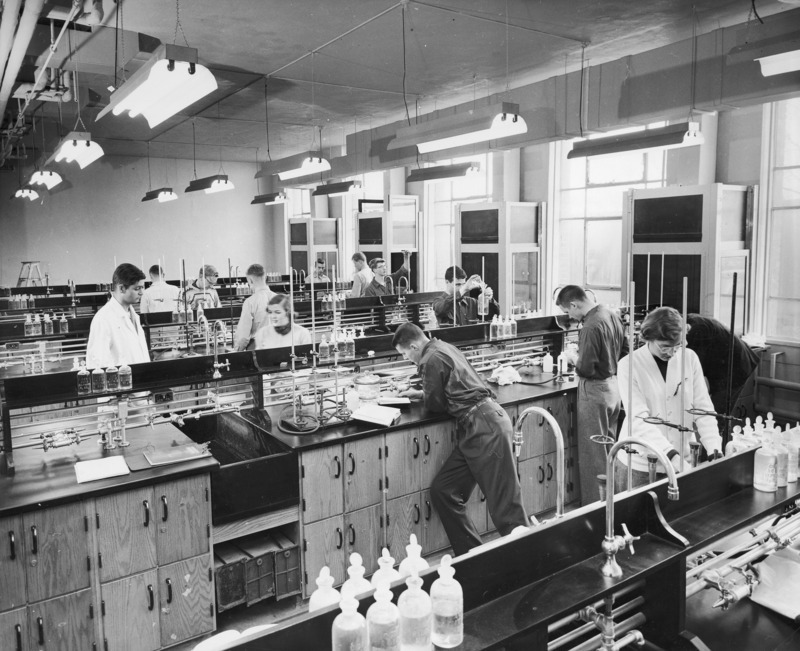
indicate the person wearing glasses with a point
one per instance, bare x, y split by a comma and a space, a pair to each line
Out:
383, 282
601, 343
657, 388
201, 291
455, 280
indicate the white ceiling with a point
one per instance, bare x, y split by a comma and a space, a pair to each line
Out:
339, 64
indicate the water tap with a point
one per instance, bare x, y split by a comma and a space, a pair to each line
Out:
559, 436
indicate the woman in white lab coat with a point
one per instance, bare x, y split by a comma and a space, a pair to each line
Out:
280, 329
657, 386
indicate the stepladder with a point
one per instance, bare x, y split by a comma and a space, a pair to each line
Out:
30, 274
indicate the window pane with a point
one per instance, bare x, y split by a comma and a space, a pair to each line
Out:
655, 166
604, 202
573, 204
603, 252
616, 168
787, 124
786, 188
783, 261
570, 252
573, 172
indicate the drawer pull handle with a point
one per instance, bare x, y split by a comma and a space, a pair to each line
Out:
352, 463
352, 534
417, 514
165, 508
12, 544
146, 506
416, 447
151, 597
427, 445
540, 472
169, 591
35, 536
549, 471
18, 632
341, 538
338, 472
428, 510
40, 625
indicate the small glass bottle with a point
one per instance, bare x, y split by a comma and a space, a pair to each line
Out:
494, 328
349, 630
483, 304
37, 326
324, 348
112, 378
415, 616
325, 594
383, 620
47, 327
64, 324
547, 363
513, 327
98, 380
31, 302
349, 345
23, 302
84, 381
413, 562
788, 442
356, 583
765, 469
125, 377
386, 571
28, 325
447, 602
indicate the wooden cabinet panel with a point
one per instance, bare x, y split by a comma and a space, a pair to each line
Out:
126, 533
531, 479
434, 537
573, 485
12, 564
364, 534
561, 408
186, 594
403, 462
14, 630
404, 517
131, 619
62, 623
550, 482
363, 473
323, 544
438, 441
321, 482
57, 549
183, 517
532, 431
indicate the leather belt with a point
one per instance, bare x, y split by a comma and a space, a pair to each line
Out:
472, 409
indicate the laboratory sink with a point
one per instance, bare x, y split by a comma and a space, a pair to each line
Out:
257, 473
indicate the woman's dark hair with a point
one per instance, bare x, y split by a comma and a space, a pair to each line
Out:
284, 302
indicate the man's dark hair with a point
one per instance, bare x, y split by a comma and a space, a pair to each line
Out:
460, 274
570, 293
359, 256
126, 274
320, 261
255, 270
407, 334
156, 270
375, 262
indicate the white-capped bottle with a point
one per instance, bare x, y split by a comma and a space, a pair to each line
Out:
416, 616
512, 326
563, 364
547, 363
355, 573
383, 620
47, 327
349, 630
125, 377
386, 571
447, 602
98, 380
325, 594
84, 380
765, 468
494, 328
64, 324
413, 562
28, 325
37, 326
736, 444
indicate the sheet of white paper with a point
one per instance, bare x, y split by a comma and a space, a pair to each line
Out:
100, 469
779, 581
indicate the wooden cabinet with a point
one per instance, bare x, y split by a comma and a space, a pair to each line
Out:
405, 516
433, 533
364, 534
184, 518
132, 604
322, 490
363, 473
12, 565
186, 597
14, 630
323, 544
64, 622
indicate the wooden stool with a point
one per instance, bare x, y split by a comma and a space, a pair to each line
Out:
27, 277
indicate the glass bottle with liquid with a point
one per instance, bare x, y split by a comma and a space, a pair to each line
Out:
447, 602
349, 630
98, 380
324, 348
28, 325
416, 615
765, 469
47, 326
125, 377
383, 620
494, 328
512, 326
483, 303
349, 345
84, 381
64, 323
37, 326
112, 378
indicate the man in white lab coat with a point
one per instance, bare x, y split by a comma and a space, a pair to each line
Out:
160, 296
116, 336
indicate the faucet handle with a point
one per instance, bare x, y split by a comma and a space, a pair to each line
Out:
628, 538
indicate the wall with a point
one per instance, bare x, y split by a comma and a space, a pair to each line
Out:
97, 215
739, 146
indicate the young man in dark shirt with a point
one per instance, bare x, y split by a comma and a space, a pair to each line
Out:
483, 454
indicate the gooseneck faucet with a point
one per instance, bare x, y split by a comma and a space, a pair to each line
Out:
202, 324
559, 436
217, 364
611, 543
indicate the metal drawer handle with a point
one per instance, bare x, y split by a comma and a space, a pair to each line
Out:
417, 514
428, 510
40, 625
427, 445
341, 538
549, 471
540, 472
416, 447
18, 632
12, 544
165, 515
35, 548
352, 534
151, 596
338, 472
352, 463
146, 505
169, 591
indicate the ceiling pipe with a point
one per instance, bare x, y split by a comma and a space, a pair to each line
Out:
92, 15
8, 25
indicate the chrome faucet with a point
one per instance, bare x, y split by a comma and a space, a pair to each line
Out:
403, 280
202, 324
611, 543
560, 465
301, 280
217, 364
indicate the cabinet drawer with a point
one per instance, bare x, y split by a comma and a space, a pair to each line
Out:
12, 564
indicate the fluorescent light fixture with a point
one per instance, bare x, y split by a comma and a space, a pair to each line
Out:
779, 64
47, 178
77, 147
211, 184
292, 167
162, 194
26, 192
269, 199
168, 82
492, 122
683, 134
335, 188
441, 172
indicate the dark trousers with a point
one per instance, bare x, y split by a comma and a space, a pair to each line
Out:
598, 412
483, 457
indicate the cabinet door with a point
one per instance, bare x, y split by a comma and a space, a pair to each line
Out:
403, 462
573, 484
434, 537
186, 594
477, 511
438, 441
323, 544
57, 549
131, 613
531, 480
550, 482
183, 516
363, 473
12, 564
364, 534
321, 482
126, 533
62, 623
404, 516
561, 408
14, 630
532, 431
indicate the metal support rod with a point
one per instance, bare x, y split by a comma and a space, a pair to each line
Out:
592, 644
726, 436
624, 609
575, 617
647, 287
661, 298
628, 416
681, 383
